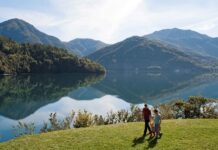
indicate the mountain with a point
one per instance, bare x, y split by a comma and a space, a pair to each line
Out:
142, 54
25, 58
188, 40
84, 47
23, 32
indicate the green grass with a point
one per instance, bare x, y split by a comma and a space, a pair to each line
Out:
194, 134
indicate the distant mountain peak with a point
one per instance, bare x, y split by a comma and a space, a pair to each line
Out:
16, 21
134, 37
144, 54
24, 32
177, 33
187, 40
83, 39
85, 46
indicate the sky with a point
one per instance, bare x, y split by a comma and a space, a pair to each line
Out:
112, 20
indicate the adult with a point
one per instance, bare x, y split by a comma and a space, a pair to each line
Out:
147, 116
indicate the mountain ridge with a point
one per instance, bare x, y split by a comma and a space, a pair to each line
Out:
85, 46
188, 41
24, 32
139, 53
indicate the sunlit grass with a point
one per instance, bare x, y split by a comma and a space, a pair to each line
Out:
199, 134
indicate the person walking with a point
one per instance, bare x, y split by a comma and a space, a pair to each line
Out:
157, 122
146, 115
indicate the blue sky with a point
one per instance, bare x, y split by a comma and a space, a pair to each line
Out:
112, 20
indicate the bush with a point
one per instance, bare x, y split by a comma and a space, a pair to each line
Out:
99, 120
195, 107
55, 124
166, 111
23, 129
83, 119
210, 110
135, 114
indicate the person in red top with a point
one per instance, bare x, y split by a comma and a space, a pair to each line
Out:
146, 115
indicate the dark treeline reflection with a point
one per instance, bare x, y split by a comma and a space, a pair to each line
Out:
139, 87
22, 95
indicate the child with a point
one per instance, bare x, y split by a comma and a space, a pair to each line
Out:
157, 122
151, 123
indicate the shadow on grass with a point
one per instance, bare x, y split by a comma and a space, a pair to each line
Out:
160, 135
138, 140
152, 142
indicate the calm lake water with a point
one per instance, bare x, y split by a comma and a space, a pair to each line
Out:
31, 98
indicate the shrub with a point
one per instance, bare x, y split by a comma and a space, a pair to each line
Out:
122, 116
135, 114
210, 110
23, 128
166, 111
110, 118
83, 119
55, 124
195, 107
99, 120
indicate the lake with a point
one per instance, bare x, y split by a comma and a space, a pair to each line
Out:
31, 98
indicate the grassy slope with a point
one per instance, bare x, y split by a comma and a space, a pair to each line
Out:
177, 134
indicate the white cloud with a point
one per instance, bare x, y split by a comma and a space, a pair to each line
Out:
94, 18
36, 18
209, 26
187, 14
114, 20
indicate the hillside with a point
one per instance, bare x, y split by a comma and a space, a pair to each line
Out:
25, 58
84, 47
176, 134
188, 41
23, 32
142, 54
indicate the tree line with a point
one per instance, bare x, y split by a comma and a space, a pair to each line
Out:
26, 58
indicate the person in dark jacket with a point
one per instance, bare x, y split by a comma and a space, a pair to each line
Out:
146, 115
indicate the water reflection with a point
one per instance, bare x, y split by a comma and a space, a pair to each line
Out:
63, 107
140, 87
153, 88
20, 96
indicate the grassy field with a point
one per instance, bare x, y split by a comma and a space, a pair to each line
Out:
197, 134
